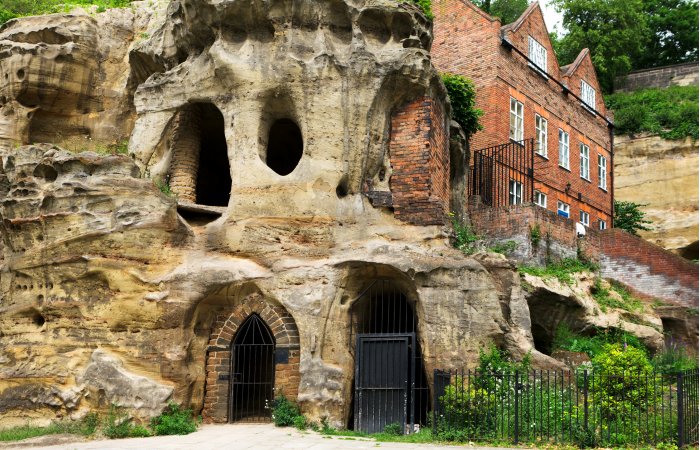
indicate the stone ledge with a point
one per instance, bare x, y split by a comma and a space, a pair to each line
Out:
201, 209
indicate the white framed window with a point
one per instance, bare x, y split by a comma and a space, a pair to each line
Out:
585, 162
541, 135
602, 172
602, 225
563, 209
515, 192
584, 218
588, 95
516, 120
538, 55
563, 149
540, 199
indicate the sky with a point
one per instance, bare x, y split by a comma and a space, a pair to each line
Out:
551, 17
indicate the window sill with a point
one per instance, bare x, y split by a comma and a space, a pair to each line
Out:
541, 206
586, 179
588, 108
542, 156
603, 189
538, 70
520, 142
565, 168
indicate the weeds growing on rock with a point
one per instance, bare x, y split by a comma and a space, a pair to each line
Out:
174, 420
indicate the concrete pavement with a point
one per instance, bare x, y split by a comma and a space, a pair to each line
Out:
234, 437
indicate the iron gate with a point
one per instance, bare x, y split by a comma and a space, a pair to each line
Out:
495, 168
252, 372
383, 375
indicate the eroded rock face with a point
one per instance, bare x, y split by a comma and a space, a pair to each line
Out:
662, 175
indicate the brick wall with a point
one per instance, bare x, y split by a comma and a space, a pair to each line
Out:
419, 154
659, 77
185, 143
467, 41
218, 365
648, 268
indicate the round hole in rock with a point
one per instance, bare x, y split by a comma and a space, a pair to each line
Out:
38, 320
285, 146
20, 74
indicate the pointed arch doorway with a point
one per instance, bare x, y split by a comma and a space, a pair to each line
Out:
252, 371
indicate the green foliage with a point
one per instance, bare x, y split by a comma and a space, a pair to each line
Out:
672, 113
174, 420
630, 217
426, 6
465, 238
163, 186
535, 235
561, 270
85, 427
504, 248
673, 359
118, 425
605, 300
506, 10
672, 33
300, 422
393, 429
565, 339
463, 100
121, 148
623, 391
286, 413
19, 8
614, 31
497, 361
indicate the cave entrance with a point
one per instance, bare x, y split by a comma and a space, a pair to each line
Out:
285, 147
252, 371
389, 372
200, 171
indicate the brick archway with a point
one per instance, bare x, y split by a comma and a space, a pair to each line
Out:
286, 334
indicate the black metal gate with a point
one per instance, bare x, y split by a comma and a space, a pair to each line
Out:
382, 380
252, 372
496, 168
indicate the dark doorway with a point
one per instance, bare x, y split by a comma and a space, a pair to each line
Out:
390, 381
252, 372
214, 174
285, 146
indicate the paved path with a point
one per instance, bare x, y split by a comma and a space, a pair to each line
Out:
240, 437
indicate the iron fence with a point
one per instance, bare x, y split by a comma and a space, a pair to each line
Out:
583, 408
503, 174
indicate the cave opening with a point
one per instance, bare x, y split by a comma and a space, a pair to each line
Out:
285, 147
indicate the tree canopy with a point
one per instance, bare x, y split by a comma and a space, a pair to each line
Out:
630, 217
506, 10
629, 34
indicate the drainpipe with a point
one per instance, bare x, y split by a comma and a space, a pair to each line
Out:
611, 131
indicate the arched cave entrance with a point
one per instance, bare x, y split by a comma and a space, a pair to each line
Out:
253, 348
389, 372
252, 371
285, 146
200, 171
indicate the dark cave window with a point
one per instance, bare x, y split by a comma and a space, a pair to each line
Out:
285, 146
213, 176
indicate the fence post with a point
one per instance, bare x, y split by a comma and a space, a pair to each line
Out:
517, 414
585, 400
435, 401
679, 404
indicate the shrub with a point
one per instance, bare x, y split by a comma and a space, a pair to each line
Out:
285, 413
118, 425
19, 8
504, 248
462, 96
626, 301
561, 270
565, 339
630, 217
163, 186
393, 429
300, 422
465, 238
174, 420
427, 8
672, 360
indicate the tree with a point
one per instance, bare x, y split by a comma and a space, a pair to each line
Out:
629, 217
615, 32
672, 33
462, 96
506, 10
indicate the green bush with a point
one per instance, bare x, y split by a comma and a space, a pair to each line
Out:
630, 217
504, 248
466, 239
118, 425
462, 96
285, 413
393, 429
300, 422
565, 339
174, 420
671, 112
427, 8
672, 360
11, 9
626, 302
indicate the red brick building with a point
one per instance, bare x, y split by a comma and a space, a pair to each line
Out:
546, 125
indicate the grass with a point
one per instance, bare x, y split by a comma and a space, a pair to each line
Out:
565, 339
672, 113
623, 300
85, 427
561, 270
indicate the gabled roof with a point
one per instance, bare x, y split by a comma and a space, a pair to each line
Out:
513, 26
569, 69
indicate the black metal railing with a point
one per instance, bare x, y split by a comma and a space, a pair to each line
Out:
584, 408
496, 169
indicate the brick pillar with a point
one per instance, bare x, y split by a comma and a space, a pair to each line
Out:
185, 149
